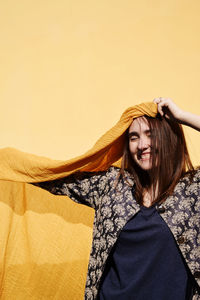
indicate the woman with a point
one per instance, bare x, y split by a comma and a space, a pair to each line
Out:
146, 229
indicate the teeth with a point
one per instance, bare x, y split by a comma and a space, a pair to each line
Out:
147, 155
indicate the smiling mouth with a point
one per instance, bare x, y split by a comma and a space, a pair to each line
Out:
145, 156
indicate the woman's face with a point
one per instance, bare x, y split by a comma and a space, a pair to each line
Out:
140, 143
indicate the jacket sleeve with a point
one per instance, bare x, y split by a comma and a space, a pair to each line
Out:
83, 188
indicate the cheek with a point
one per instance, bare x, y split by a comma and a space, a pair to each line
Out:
132, 148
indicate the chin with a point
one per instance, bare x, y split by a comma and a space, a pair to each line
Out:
145, 167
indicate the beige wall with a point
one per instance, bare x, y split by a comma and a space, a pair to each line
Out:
69, 68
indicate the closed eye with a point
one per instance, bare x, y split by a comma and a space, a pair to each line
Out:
149, 134
133, 138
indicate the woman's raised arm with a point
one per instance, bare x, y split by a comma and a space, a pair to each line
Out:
83, 188
168, 109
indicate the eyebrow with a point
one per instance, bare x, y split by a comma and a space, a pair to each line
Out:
136, 133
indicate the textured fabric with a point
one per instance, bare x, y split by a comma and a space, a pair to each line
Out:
18, 166
45, 244
45, 241
115, 206
146, 262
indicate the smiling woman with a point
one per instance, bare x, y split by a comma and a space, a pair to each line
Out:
140, 143
156, 154
147, 211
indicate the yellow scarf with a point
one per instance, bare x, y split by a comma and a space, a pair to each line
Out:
45, 239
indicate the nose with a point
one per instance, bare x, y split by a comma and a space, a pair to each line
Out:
143, 143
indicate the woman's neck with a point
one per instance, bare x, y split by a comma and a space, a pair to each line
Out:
147, 199
149, 195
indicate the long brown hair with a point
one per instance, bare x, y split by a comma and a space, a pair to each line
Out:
170, 160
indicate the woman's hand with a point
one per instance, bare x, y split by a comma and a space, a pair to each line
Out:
168, 109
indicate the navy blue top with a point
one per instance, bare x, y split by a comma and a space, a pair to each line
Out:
146, 262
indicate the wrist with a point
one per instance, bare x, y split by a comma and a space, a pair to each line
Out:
183, 117
191, 120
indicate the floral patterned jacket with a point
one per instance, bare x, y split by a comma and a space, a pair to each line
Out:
115, 205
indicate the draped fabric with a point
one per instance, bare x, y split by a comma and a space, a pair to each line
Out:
45, 240
19, 166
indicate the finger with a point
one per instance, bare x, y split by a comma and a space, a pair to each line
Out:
165, 101
160, 101
160, 110
156, 100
